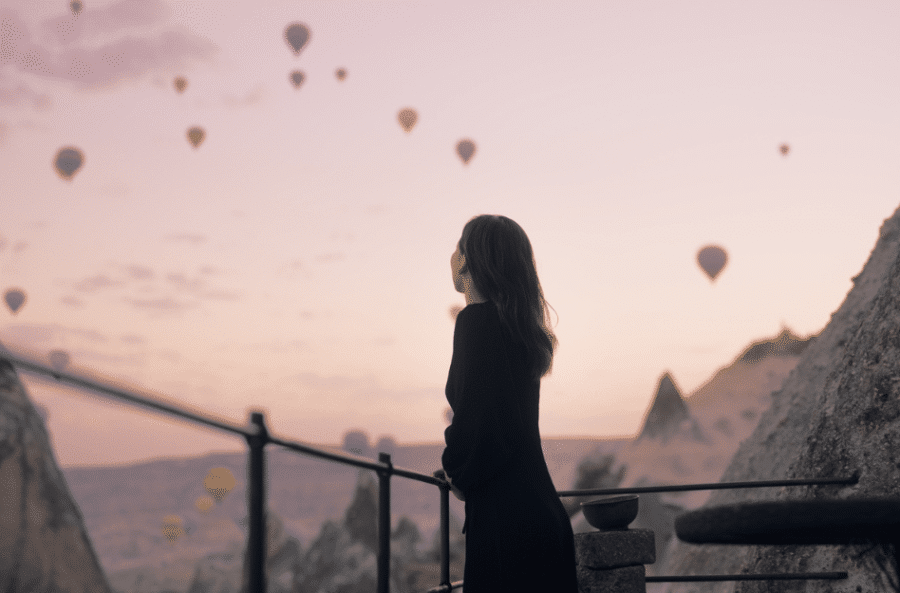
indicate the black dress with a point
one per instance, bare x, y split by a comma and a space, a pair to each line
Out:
518, 535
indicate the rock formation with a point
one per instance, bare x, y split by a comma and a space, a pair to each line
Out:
667, 413
690, 440
837, 413
43, 542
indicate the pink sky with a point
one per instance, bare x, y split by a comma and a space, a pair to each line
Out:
298, 260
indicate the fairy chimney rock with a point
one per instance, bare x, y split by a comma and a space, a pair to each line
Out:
837, 413
666, 413
44, 545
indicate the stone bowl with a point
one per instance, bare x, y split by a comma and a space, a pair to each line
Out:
611, 513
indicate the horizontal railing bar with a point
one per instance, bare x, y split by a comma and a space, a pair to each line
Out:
445, 588
715, 486
793, 576
356, 461
146, 400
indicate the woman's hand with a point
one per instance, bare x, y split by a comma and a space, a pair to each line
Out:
443, 476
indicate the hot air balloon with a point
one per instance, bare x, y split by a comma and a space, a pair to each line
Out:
76, 6
340, 73
465, 149
59, 359
204, 503
297, 77
296, 35
408, 118
712, 259
448, 414
180, 83
15, 298
68, 161
219, 482
785, 149
196, 136
172, 527
454, 311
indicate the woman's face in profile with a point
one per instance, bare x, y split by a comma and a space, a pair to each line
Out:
456, 262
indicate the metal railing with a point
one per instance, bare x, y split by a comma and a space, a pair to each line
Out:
257, 437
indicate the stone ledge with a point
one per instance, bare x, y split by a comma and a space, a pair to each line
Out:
615, 549
629, 579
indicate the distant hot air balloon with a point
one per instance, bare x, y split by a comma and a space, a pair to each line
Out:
180, 83
76, 6
712, 259
340, 73
204, 503
297, 77
296, 35
196, 136
219, 482
785, 149
465, 149
172, 527
15, 298
454, 311
59, 359
408, 118
68, 161
448, 414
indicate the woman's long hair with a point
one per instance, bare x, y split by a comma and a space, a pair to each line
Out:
501, 264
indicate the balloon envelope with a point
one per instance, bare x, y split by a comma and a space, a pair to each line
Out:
195, 136
465, 149
219, 482
407, 118
180, 83
172, 527
296, 35
68, 161
76, 6
784, 148
712, 259
14, 297
297, 77
204, 503
59, 359
340, 73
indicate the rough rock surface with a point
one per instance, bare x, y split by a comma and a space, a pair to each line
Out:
838, 412
720, 414
44, 545
666, 413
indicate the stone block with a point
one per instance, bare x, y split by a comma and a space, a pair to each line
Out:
628, 579
615, 549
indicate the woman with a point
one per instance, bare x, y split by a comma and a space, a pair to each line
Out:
518, 535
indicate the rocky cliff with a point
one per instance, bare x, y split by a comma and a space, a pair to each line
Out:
837, 413
44, 545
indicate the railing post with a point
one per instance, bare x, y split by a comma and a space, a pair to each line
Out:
255, 567
445, 536
384, 524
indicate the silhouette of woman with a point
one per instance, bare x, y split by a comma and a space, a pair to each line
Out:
518, 534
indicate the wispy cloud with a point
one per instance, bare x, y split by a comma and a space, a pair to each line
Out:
99, 46
160, 305
98, 282
139, 272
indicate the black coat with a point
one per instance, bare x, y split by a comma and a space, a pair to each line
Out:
518, 535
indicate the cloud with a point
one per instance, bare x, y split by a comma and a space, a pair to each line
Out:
194, 238
132, 339
83, 48
44, 333
160, 305
251, 98
139, 272
198, 286
20, 246
331, 256
97, 282
22, 95
72, 301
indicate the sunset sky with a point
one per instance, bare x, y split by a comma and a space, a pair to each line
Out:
298, 260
